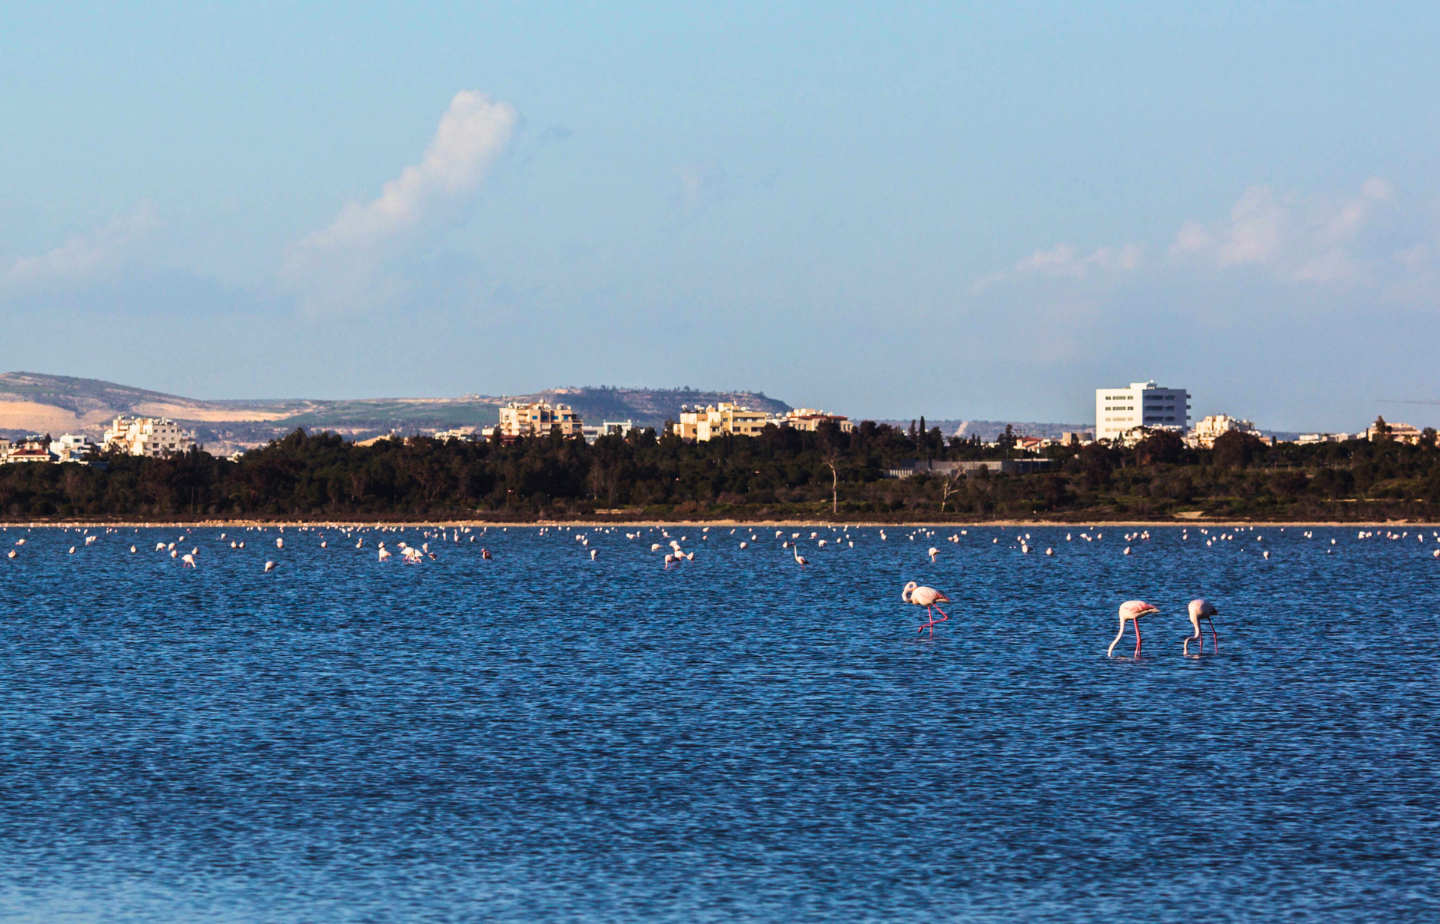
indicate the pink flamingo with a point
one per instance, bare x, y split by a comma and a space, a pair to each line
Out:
1131, 611
928, 597
800, 560
1202, 609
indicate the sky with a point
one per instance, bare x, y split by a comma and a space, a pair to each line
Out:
884, 210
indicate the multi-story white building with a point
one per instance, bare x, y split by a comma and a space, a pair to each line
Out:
1215, 425
147, 436
72, 447
1142, 404
709, 422
538, 419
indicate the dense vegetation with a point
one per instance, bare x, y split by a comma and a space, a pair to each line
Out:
782, 473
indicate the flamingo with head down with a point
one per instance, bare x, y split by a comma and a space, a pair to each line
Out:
930, 598
1201, 609
1131, 611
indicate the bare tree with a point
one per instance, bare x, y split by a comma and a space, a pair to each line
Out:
831, 458
951, 485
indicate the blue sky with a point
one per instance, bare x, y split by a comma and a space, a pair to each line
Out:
884, 210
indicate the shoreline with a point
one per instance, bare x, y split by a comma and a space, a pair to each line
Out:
700, 524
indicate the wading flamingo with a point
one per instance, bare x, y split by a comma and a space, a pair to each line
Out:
1131, 611
933, 553
800, 560
930, 598
1201, 609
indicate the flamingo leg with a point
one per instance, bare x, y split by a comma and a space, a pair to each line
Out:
1213, 637
1137, 636
943, 615
1121, 634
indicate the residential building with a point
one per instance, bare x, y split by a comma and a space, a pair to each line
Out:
539, 418
73, 447
30, 449
1076, 437
463, 434
1322, 438
714, 420
809, 418
4, 449
1399, 432
1142, 404
609, 428
148, 436
1215, 425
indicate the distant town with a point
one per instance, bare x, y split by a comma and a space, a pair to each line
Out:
1124, 416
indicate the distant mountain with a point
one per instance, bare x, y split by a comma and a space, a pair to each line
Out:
36, 403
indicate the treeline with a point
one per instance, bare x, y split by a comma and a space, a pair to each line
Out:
781, 473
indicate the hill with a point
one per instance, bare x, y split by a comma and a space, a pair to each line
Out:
37, 403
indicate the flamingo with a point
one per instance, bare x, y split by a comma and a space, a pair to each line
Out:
1131, 611
188, 561
933, 553
12, 554
800, 560
1201, 609
485, 555
928, 597
384, 554
270, 566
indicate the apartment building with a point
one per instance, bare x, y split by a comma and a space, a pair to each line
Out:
714, 420
1214, 426
147, 436
538, 419
809, 418
1142, 404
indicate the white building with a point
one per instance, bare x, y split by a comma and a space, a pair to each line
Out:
147, 436
609, 428
72, 447
1216, 425
1142, 404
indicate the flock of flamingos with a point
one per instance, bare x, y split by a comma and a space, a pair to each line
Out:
1131, 612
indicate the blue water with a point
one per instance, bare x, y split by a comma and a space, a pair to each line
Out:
543, 737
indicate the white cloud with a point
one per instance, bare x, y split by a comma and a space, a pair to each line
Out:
349, 263
1299, 239
1063, 261
86, 256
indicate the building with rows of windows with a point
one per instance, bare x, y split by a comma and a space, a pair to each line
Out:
148, 436
538, 419
1143, 404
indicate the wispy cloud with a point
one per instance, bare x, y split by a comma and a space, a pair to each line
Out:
86, 256
1064, 261
349, 264
1299, 239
